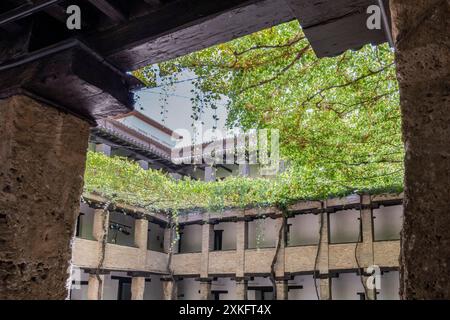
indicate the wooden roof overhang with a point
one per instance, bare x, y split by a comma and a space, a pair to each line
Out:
84, 71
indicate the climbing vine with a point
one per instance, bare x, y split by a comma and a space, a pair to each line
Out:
338, 118
124, 181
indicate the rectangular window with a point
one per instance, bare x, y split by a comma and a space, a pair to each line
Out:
218, 240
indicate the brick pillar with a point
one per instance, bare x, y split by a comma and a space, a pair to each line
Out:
244, 170
101, 224
168, 239
143, 164
210, 174
207, 246
282, 289
170, 290
365, 249
281, 284
95, 287
141, 234
140, 241
205, 290
137, 288
241, 289
421, 31
103, 148
324, 288
42, 156
322, 264
241, 245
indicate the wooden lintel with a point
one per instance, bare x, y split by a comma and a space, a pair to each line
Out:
72, 77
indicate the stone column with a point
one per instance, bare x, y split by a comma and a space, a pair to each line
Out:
143, 164
241, 245
244, 170
104, 148
207, 246
421, 31
42, 156
140, 241
365, 249
282, 289
95, 287
324, 282
205, 289
100, 233
101, 224
168, 239
210, 174
141, 234
137, 288
170, 290
281, 283
324, 288
241, 289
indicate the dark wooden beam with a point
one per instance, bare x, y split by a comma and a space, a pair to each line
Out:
183, 26
114, 13
333, 26
26, 10
73, 78
153, 2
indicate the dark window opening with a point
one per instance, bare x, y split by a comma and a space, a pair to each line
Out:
78, 229
216, 294
218, 240
124, 288
180, 238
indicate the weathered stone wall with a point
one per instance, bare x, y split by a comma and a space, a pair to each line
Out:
422, 34
42, 160
243, 263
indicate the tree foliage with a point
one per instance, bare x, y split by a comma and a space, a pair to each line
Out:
124, 181
339, 118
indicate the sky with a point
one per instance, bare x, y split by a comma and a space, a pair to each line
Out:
178, 106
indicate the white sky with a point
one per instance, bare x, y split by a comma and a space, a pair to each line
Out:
178, 107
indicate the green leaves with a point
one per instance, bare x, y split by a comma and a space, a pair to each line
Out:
122, 180
339, 119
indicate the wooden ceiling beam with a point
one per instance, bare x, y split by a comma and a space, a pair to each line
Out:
334, 26
25, 10
111, 11
72, 77
184, 26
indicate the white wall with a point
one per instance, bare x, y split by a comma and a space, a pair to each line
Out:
259, 282
304, 230
388, 222
344, 226
262, 233
155, 238
191, 238
225, 284
308, 292
188, 289
153, 289
148, 130
111, 286
390, 286
79, 291
228, 234
121, 238
346, 287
